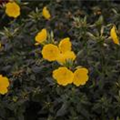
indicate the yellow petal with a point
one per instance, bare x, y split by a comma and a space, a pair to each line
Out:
3, 90
64, 57
63, 76
4, 83
65, 45
41, 36
46, 13
50, 52
12, 9
80, 76
114, 36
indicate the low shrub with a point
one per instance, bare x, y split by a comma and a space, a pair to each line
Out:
60, 60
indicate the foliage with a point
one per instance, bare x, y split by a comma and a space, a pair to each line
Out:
33, 93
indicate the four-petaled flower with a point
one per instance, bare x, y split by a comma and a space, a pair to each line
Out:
63, 76
41, 37
50, 52
4, 84
66, 54
80, 76
12, 9
65, 45
114, 36
46, 13
66, 57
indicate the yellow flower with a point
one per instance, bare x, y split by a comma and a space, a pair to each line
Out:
12, 9
65, 45
4, 83
41, 36
63, 76
64, 57
50, 52
114, 36
80, 76
46, 13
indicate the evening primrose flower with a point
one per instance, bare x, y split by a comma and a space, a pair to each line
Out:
80, 76
46, 13
12, 9
41, 37
63, 76
65, 45
50, 52
4, 83
114, 36
67, 56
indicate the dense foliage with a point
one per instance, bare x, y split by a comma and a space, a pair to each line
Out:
33, 94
